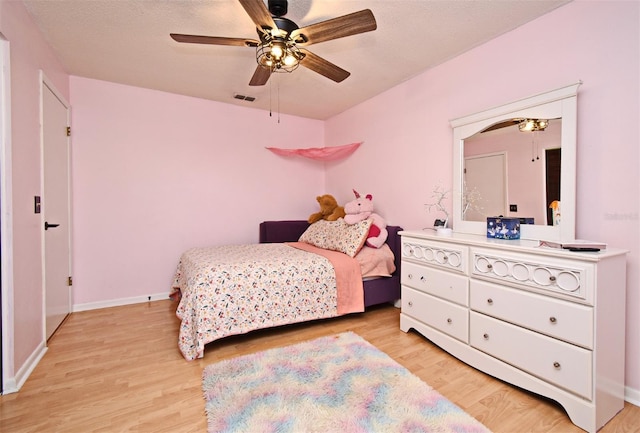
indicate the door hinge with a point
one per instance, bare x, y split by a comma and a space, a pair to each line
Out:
68, 131
70, 281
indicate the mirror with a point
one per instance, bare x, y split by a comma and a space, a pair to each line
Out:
511, 172
501, 170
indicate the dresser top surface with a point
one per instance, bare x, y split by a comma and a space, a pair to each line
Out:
518, 245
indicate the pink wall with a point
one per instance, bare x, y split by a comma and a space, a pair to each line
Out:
28, 55
408, 140
156, 173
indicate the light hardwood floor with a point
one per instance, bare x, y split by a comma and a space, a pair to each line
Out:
119, 370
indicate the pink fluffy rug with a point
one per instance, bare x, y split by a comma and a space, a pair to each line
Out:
332, 384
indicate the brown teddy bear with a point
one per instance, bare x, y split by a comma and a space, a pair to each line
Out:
329, 209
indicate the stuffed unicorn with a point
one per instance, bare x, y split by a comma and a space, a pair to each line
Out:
362, 208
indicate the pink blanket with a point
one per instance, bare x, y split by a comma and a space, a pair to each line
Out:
350, 291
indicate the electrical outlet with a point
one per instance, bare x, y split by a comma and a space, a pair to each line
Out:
513, 208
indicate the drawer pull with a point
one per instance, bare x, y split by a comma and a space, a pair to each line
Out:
552, 319
410, 303
422, 278
445, 258
490, 301
449, 320
556, 365
486, 336
552, 278
489, 266
410, 276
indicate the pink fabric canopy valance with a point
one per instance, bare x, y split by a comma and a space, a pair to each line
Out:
319, 153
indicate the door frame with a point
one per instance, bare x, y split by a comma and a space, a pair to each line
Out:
7, 379
44, 81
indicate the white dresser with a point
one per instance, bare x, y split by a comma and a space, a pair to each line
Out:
549, 321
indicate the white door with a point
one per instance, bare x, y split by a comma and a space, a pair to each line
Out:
487, 174
55, 209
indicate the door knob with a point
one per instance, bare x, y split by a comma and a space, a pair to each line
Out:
47, 226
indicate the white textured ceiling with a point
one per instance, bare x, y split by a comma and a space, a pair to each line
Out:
127, 41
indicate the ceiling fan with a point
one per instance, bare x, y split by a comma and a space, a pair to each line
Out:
281, 43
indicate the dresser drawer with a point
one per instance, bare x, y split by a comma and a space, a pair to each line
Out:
566, 278
565, 320
439, 314
554, 361
446, 285
444, 256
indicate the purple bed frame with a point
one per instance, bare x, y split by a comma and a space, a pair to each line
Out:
377, 291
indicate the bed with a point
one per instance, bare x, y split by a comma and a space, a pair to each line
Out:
234, 289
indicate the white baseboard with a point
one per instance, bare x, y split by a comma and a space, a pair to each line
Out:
13, 384
119, 302
632, 396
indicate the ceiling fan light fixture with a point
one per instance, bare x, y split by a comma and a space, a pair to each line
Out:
532, 125
277, 50
526, 125
290, 60
278, 55
279, 37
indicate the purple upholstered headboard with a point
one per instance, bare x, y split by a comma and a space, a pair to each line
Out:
282, 231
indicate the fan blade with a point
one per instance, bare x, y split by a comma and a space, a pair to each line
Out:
346, 25
505, 124
258, 13
260, 76
213, 40
323, 67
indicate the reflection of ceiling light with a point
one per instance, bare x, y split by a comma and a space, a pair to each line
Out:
531, 125
278, 54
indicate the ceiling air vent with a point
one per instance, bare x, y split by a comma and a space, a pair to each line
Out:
244, 98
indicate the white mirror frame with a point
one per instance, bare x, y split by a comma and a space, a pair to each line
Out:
550, 105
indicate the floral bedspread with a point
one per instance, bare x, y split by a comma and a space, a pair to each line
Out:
234, 289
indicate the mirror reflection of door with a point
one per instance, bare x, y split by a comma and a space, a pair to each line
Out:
553, 160
487, 174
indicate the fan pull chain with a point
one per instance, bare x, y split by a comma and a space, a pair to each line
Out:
274, 77
270, 97
532, 151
